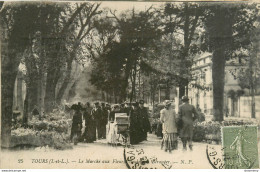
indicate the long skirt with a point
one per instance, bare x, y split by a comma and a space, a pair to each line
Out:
169, 141
111, 135
90, 132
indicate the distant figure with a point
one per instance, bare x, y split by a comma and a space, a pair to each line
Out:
97, 114
104, 120
122, 108
115, 109
187, 114
145, 123
90, 129
168, 118
127, 108
135, 124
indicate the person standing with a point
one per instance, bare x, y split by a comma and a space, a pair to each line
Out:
104, 120
76, 123
169, 128
90, 129
115, 109
145, 123
187, 114
97, 114
127, 108
135, 124
122, 108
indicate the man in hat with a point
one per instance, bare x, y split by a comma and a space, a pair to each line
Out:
97, 114
187, 114
145, 124
135, 124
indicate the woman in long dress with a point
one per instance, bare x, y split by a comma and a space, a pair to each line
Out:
111, 126
169, 128
90, 130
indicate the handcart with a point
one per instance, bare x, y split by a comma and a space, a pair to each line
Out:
118, 130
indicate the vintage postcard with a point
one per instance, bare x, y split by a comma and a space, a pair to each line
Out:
130, 85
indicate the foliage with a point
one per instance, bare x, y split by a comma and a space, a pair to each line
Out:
119, 63
211, 130
52, 130
41, 138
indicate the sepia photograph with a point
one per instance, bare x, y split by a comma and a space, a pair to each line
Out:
130, 85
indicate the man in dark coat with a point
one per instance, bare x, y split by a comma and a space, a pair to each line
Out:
90, 130
187, 114
76, 122
135, 124
97, 114
145, 123
104, 120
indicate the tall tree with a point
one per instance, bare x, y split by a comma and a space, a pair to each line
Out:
250, 77
227, 27
135, 29
56, 50
183, 20
86, 24
17, 25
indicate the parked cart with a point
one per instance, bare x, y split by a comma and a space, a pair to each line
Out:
118, 130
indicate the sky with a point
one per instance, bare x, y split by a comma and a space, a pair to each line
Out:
127, 5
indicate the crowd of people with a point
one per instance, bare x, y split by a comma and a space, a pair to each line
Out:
89, 122
94, 120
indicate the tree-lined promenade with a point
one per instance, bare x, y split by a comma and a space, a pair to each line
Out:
131, 53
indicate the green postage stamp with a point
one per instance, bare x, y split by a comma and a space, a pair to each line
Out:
240, 147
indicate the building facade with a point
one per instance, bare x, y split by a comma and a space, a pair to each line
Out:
237, 101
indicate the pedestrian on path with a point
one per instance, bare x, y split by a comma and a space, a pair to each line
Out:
168, 118
76, 124
145, 123
135, 124
97, 114
90, 129
187, 114
104, 120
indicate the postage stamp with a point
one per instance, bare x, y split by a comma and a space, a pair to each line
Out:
240, 147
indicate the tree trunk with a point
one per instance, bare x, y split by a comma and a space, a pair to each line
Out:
133, 93
25, 110
9, 68
32, 91
167, 91
66, 81
218, 76
252, 103
49, 100
8, 81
